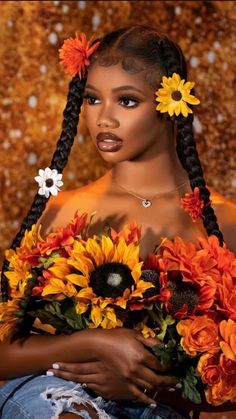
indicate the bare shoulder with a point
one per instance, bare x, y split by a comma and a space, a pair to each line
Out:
225, 210
61, 209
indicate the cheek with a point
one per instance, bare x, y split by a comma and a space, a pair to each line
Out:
141, 125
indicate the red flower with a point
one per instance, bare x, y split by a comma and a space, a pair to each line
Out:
192, 204
130, 232
63, 237
151, 262
74, 54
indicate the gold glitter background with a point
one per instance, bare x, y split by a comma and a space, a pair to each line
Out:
33, 90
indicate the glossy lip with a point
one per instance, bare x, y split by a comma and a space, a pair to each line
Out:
102, 136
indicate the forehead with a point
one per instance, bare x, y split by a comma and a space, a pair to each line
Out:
115, 76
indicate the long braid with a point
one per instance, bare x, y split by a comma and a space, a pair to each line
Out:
193, 167
59, 161
173, 61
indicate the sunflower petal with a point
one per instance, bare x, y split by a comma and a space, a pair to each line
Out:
190, 99
80, 280
96, 315
107, 248
95, 251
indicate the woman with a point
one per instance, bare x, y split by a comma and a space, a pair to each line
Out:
155, 162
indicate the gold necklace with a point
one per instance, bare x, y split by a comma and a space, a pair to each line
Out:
148, 202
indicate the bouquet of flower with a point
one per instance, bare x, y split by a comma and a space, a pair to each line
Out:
183, 293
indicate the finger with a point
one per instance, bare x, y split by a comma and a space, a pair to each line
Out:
69, 376
151, 361
88, 379
154, 379
79, 367
143, 384
142, 397
150, 342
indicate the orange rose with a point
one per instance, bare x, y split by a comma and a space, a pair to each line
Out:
217, 394
209, 369
199, 335
228, 333
223, 391
228, 366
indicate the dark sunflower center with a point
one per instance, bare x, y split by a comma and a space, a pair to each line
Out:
183, 293
176, 95
111, 279
150, 275
49, 183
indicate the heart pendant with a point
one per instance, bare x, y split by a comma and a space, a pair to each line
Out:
146, 203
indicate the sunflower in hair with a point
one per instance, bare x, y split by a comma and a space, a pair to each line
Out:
174, 96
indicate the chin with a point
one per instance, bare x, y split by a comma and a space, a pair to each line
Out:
112, 157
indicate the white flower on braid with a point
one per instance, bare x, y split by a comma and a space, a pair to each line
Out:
49, 181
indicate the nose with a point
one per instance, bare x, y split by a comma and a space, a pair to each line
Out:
105, 119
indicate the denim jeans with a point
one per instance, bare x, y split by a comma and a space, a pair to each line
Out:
46, 397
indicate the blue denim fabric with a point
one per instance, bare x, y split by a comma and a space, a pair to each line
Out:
46, 397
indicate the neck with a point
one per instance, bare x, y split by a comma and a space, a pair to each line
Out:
159, 174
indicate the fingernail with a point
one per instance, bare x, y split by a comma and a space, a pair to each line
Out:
55, 366
50, 373
178, 385
152, 405
171, 389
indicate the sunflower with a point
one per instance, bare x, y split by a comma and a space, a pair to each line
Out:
174, 96
108, 275
8, 318
54, 284
18, 274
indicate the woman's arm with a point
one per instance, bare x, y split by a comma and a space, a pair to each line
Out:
36, 353
120, 366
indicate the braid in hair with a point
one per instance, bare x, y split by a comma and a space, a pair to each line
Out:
58, 162
173, 61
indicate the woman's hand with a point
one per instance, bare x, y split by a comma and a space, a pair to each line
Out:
123, 368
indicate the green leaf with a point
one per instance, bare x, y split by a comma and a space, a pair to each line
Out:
164, 323
189, 389
47, 262
156, 313
61, 315
74, 319
165, 352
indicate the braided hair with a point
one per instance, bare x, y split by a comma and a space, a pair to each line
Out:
59, 161
137, 48
185, 143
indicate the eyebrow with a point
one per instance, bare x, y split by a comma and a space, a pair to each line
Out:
116, 89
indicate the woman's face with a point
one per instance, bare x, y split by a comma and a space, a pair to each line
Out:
128, 112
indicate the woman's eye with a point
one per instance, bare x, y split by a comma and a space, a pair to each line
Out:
89, 99
125, 99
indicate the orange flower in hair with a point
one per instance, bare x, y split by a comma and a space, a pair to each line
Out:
192, 204
75, 53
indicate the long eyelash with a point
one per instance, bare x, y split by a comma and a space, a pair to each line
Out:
134, 99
